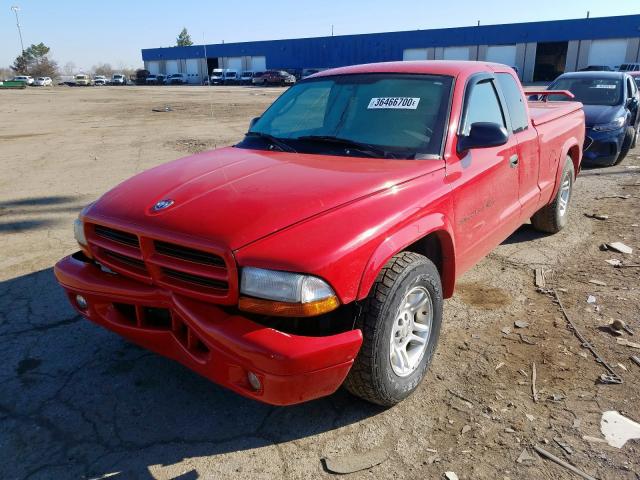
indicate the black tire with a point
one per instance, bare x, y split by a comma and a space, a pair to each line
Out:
372, 376
553, 217
626, 145
636, 132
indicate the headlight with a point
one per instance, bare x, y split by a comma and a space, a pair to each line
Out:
278, 293
606, 127
78, 232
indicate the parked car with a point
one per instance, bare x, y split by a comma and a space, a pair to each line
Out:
630, 67
217, 76
231, 77
141, 77
611, 101
258, 78
395, 198
597, 68
636, 78
82, 80
118, 79
246, 77
43, 82
278, 77
156, 79
23, 78
100, 80
307, 72
176, 79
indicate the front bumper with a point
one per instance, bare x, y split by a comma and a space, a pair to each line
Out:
603, 148
221, 346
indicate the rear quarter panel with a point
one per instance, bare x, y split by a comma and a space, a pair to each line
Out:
557, 139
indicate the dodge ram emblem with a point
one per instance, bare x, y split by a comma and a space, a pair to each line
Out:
162, 204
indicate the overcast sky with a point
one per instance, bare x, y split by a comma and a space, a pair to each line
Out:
114, 31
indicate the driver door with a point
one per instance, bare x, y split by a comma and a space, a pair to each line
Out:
486, 185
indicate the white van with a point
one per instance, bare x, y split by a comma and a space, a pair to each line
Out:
217, 76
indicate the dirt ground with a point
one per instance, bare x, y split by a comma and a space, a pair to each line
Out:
77, 401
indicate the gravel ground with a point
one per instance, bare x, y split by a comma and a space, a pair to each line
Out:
77, 401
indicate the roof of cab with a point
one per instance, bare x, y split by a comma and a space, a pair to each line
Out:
434, 67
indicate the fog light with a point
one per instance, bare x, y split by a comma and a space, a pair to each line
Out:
254, 381
81, 302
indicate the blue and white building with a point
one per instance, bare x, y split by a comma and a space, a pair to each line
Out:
539, 50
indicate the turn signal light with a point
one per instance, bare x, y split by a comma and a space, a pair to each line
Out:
286, 309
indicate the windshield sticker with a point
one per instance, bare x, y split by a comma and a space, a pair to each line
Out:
405, 103
602, 85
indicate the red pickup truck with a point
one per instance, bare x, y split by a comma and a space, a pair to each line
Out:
318, 251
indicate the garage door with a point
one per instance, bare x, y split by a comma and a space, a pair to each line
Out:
505, 54
153, 67
258, 64
172, 67
608, 52
192, 70
456, 53
234, 63
415, 54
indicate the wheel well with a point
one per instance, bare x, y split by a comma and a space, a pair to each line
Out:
574, 153
431, 246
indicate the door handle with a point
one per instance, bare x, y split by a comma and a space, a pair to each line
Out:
513, 161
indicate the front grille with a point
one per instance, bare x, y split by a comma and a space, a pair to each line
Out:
195, 279
132, 262
117, 236
189, 254
194, 272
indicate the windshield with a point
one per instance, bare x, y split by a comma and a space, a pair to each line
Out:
230, 74
396, 113
590, 90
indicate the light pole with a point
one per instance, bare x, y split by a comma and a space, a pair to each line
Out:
16, 9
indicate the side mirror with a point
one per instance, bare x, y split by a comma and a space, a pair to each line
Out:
483, 135
253, 122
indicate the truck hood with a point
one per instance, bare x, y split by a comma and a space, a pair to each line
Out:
235, 196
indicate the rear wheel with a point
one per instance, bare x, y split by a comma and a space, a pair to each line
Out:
400, 324
553, 217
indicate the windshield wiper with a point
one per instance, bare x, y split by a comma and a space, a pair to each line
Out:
365, 148
274, 141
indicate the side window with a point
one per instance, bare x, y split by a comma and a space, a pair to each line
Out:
515, 102
483, 106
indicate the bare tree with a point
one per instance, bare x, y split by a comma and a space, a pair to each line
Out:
103, 69
69, 68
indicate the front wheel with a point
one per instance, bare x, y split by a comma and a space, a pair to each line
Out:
553, 217
627, 144
400, 325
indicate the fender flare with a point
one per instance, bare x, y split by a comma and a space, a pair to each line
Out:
569, 144
435, 223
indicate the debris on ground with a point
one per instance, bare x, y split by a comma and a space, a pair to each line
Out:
450, 476
597, 216
617, 247
612, 376
506, 330
521, 324
620, 325
563, 445
598, 282
540, 278
525, 456
635, 359
166, 108
614, 261
562, 463
591, 299
627, 343
589, 438
534, 390
618, 429
499, 366
356, 462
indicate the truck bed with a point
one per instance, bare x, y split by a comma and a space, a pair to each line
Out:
545, 112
